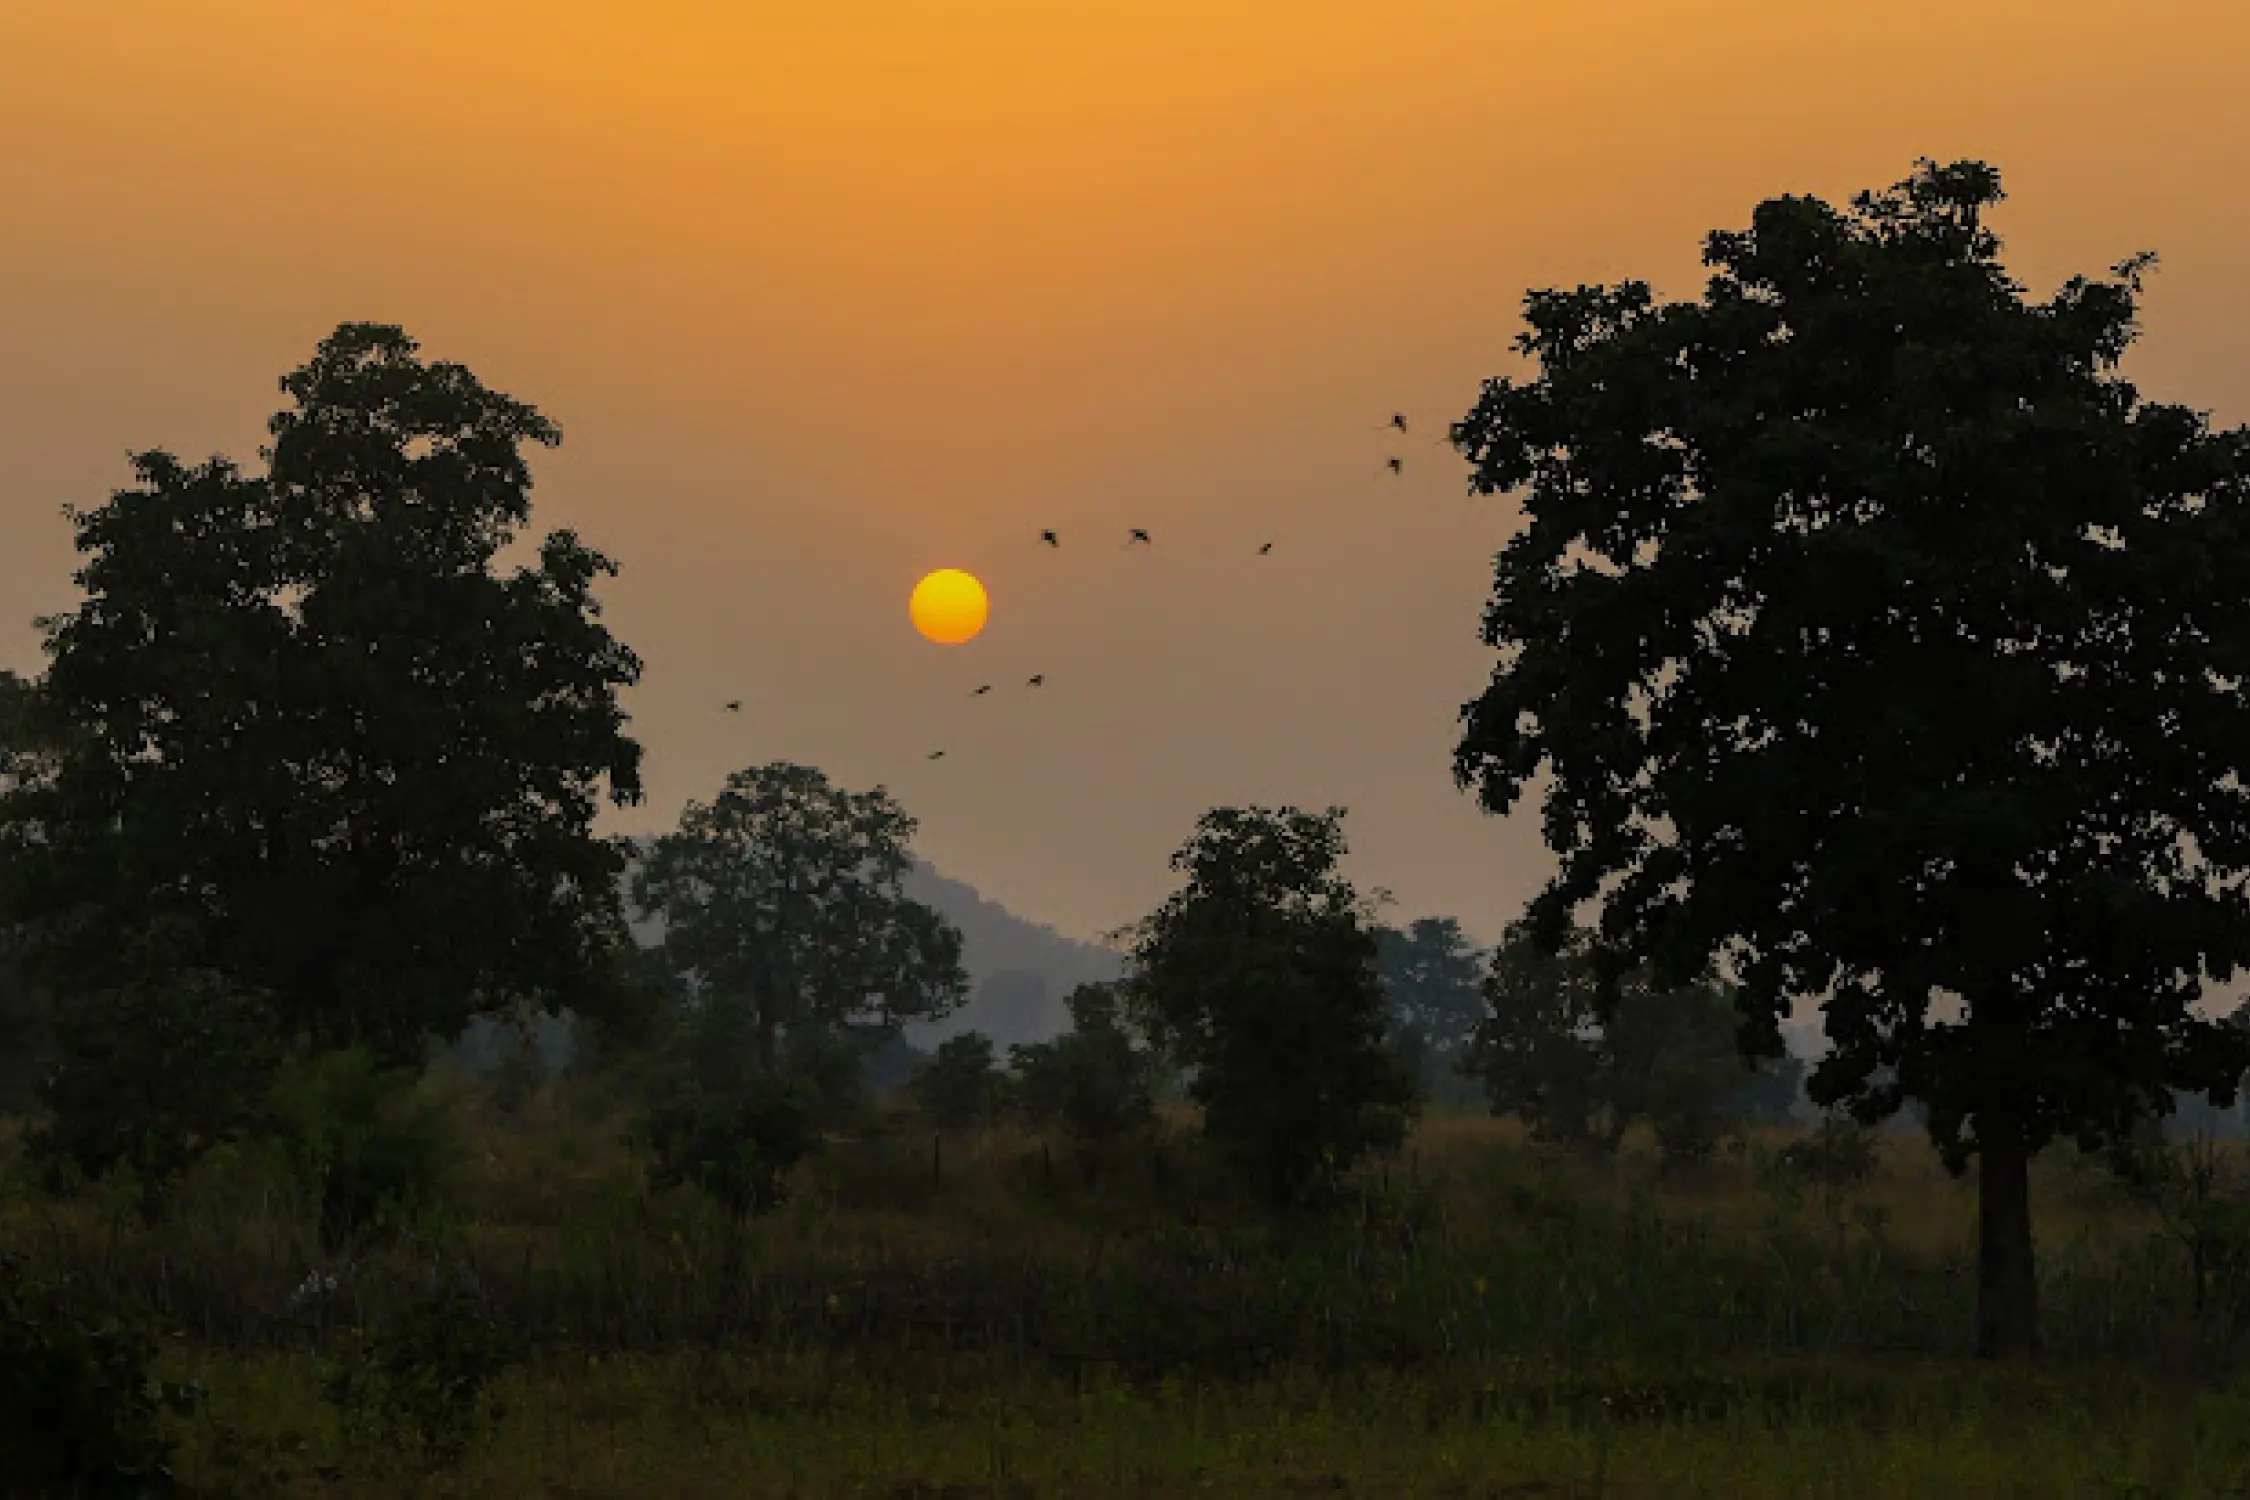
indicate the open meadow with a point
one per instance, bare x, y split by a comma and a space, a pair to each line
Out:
994, 1314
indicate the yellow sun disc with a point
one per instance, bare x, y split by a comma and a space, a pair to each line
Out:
949, 606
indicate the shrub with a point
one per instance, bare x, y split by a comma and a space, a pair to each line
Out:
737, 1145
1840, 1153
1093, 1080
416, 1387
960, 1085
79, 1414
370, 1147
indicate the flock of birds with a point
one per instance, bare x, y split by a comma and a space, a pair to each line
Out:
1137, 536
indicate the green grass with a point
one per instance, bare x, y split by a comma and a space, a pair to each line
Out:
687, 1423
1017, 1320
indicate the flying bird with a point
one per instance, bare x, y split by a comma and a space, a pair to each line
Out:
1398, 420
1268, 547
1050, 539
1037, 678
1138, 535
1396, 464
734, 705
980, 692
935, 755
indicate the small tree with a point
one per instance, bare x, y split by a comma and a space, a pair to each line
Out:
738, 1145
961, 1084
784, 896
1095, 1080
369, 1147
1582, 1069
1260, 972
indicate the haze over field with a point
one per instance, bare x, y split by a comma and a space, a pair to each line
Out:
827, 296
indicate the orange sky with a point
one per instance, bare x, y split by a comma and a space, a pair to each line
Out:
829, 293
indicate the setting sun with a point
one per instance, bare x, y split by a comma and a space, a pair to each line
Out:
949, 606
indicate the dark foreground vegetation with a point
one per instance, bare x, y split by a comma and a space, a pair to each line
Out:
1877, 646
1014, 1315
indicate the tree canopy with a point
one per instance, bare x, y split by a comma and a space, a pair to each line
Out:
1581, 1068
1884, 644
783, 893
303, 718
1259, 974
1434, 977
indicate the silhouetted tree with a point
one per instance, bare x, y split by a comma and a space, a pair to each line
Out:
1581, 1068
961, 1085
1433, 976
783, 894
1097, 1080
306, 724
1883, 645
1260, 976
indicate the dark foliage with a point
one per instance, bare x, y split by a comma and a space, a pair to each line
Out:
301, 713
1882, 643
1260, 976
961, 1085
148, 1076
784, 894
738, 1144
1095, 1080
80, 1416
415, 1388
368, 1147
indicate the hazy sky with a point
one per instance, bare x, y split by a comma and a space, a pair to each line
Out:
826, 294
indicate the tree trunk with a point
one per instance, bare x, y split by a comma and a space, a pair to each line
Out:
2007, 1279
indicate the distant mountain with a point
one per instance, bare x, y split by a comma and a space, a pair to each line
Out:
1019, 970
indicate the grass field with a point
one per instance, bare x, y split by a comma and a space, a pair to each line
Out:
1004, 1317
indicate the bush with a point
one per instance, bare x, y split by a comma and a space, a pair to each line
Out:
365, 1142
516, 1079
1093, 1080
1840, 1153
960, 1085
79, 1414
737, 1145
416, 1387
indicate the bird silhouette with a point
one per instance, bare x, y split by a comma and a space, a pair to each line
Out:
1395, 464
1268, 547
935, 755
1138, 535
1398, 420
1037, 678
734, 705
1050, 539
980, 692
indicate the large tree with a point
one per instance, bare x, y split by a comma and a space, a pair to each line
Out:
311, 730
1884, 645
1259, 975
783, 895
